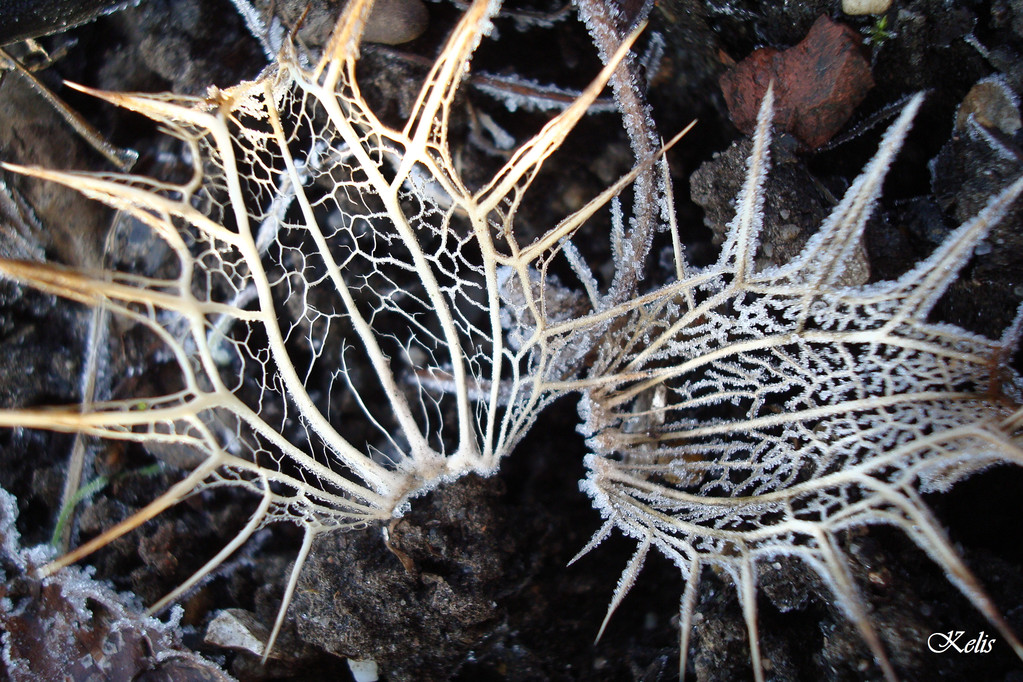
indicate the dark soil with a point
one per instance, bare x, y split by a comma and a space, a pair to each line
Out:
472, 584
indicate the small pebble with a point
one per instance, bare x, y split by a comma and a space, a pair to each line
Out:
818, 83
364, 671
858, 7
393, 22
992, 104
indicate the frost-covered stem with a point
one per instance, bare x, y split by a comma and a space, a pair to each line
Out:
928, 535
937, 272
601, 18
851, 406
746, 589
843, 585
428, 120
744, 230
270, 35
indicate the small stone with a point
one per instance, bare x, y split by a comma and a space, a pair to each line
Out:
818, 84
390, 22
364, 671
992, 104
393, 22
859, 7
237, 629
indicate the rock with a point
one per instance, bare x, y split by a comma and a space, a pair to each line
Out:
855, 7
795, 202
393, 22
992, 104
238, 629
818, 83
977, 161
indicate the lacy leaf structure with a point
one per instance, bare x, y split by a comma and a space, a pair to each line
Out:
347, 323
749, 415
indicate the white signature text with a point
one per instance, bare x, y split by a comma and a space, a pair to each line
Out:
956, 640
